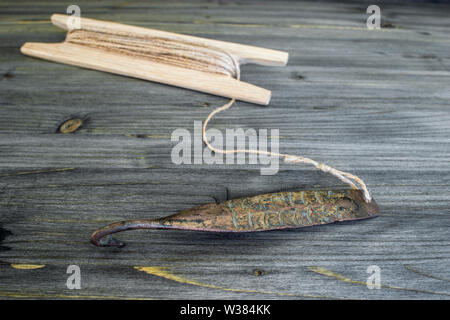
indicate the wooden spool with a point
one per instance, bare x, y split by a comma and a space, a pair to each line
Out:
103, 60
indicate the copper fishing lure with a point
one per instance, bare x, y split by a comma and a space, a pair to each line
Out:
272, 211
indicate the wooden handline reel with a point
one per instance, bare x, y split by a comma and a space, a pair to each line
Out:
138, 67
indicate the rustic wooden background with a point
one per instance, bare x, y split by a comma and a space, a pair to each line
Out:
375, 103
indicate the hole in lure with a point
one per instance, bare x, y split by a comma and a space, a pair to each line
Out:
271, 211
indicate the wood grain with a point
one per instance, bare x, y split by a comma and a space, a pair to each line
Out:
244, 53
97, 59
375, 103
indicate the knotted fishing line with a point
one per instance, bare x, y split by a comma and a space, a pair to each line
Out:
199, 57
352, 180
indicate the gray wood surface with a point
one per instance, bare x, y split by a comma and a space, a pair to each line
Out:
375, 103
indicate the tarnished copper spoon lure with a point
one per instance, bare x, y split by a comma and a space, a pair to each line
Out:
264, 212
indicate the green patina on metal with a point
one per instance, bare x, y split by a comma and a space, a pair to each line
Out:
269, 211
